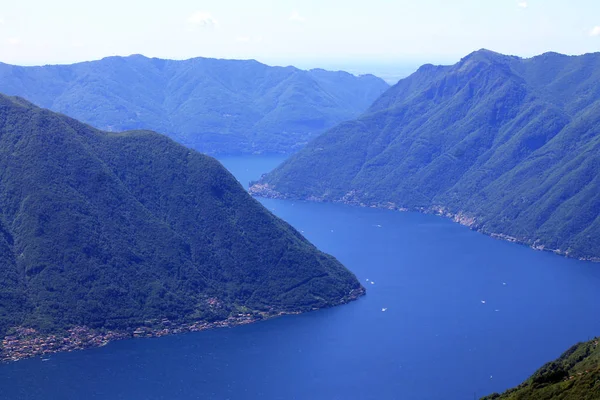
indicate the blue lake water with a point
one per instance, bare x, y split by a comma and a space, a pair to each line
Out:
437, 339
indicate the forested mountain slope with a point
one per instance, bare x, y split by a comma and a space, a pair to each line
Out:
506, 145
214, 106
109, 230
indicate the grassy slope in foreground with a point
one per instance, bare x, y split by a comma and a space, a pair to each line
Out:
573, 376
508, 146
117, 231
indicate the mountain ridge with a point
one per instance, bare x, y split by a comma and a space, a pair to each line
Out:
216, 106
453, 139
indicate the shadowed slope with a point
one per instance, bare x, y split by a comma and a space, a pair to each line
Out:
109, 230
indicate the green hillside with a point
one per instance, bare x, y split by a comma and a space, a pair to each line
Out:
573, 376
108, 230
214, 106
508, 146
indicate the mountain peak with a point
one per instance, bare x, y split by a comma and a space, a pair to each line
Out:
550, 55
121, 59
137, 55
485, 55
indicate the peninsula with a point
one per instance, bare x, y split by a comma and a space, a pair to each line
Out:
112, 235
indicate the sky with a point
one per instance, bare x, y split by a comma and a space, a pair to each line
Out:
306, 33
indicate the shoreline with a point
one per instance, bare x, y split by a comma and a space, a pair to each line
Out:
460, 217
28, 343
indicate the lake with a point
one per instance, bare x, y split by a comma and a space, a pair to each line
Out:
466, 315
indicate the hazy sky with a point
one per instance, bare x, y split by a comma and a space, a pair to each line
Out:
294, 32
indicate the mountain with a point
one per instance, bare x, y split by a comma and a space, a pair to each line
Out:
112, 230
214, 106
573, 376
508, 146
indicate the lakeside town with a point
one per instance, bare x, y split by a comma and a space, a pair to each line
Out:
27, 342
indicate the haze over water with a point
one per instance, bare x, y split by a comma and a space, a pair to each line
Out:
466, 315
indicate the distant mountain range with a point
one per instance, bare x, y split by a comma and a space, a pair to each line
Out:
116, 230
573, 376
214, 106
508, 146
